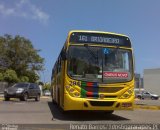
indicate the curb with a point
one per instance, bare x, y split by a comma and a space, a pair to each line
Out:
46, 97
43, 97
147, 107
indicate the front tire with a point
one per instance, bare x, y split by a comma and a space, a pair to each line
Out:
6, 98
139, 97
25, 97
153, 98
37, 98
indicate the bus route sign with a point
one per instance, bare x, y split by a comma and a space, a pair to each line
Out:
99, 38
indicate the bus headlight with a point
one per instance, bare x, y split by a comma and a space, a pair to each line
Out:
72, 91
127, 94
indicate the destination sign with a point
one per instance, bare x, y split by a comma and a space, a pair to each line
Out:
98, 38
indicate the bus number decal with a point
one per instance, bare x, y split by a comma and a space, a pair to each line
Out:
73, 83
83, 38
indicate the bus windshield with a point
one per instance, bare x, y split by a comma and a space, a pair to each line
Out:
100, 64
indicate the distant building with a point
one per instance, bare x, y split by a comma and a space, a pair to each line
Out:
138, 87
152, 80
142, 83
138, 81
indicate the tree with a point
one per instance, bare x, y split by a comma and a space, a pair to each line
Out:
1, 77
18, 54
46, 86
10, 76
24, 79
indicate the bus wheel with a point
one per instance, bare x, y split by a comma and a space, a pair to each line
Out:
53, 101
153, 98
64, 112
108, 112
59, 97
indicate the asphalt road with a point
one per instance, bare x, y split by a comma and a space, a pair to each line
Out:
44, 114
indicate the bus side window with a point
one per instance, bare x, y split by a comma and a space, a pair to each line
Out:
52, 74
59, 65
57, 68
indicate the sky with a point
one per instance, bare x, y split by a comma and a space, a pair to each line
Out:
46, 24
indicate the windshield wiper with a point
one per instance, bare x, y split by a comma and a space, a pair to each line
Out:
94, 56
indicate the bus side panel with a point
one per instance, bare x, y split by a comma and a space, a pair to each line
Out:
62, 81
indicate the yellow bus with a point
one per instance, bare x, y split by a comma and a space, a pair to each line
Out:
94, 71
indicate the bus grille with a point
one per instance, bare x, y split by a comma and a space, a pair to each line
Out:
104, 89
93, 90
101, 103
109, 89
110, 96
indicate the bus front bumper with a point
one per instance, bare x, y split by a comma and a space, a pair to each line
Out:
72, 103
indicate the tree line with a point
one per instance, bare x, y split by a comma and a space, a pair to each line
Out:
19, 60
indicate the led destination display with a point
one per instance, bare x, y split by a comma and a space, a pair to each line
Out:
98, 38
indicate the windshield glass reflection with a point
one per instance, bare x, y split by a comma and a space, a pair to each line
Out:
99, 64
